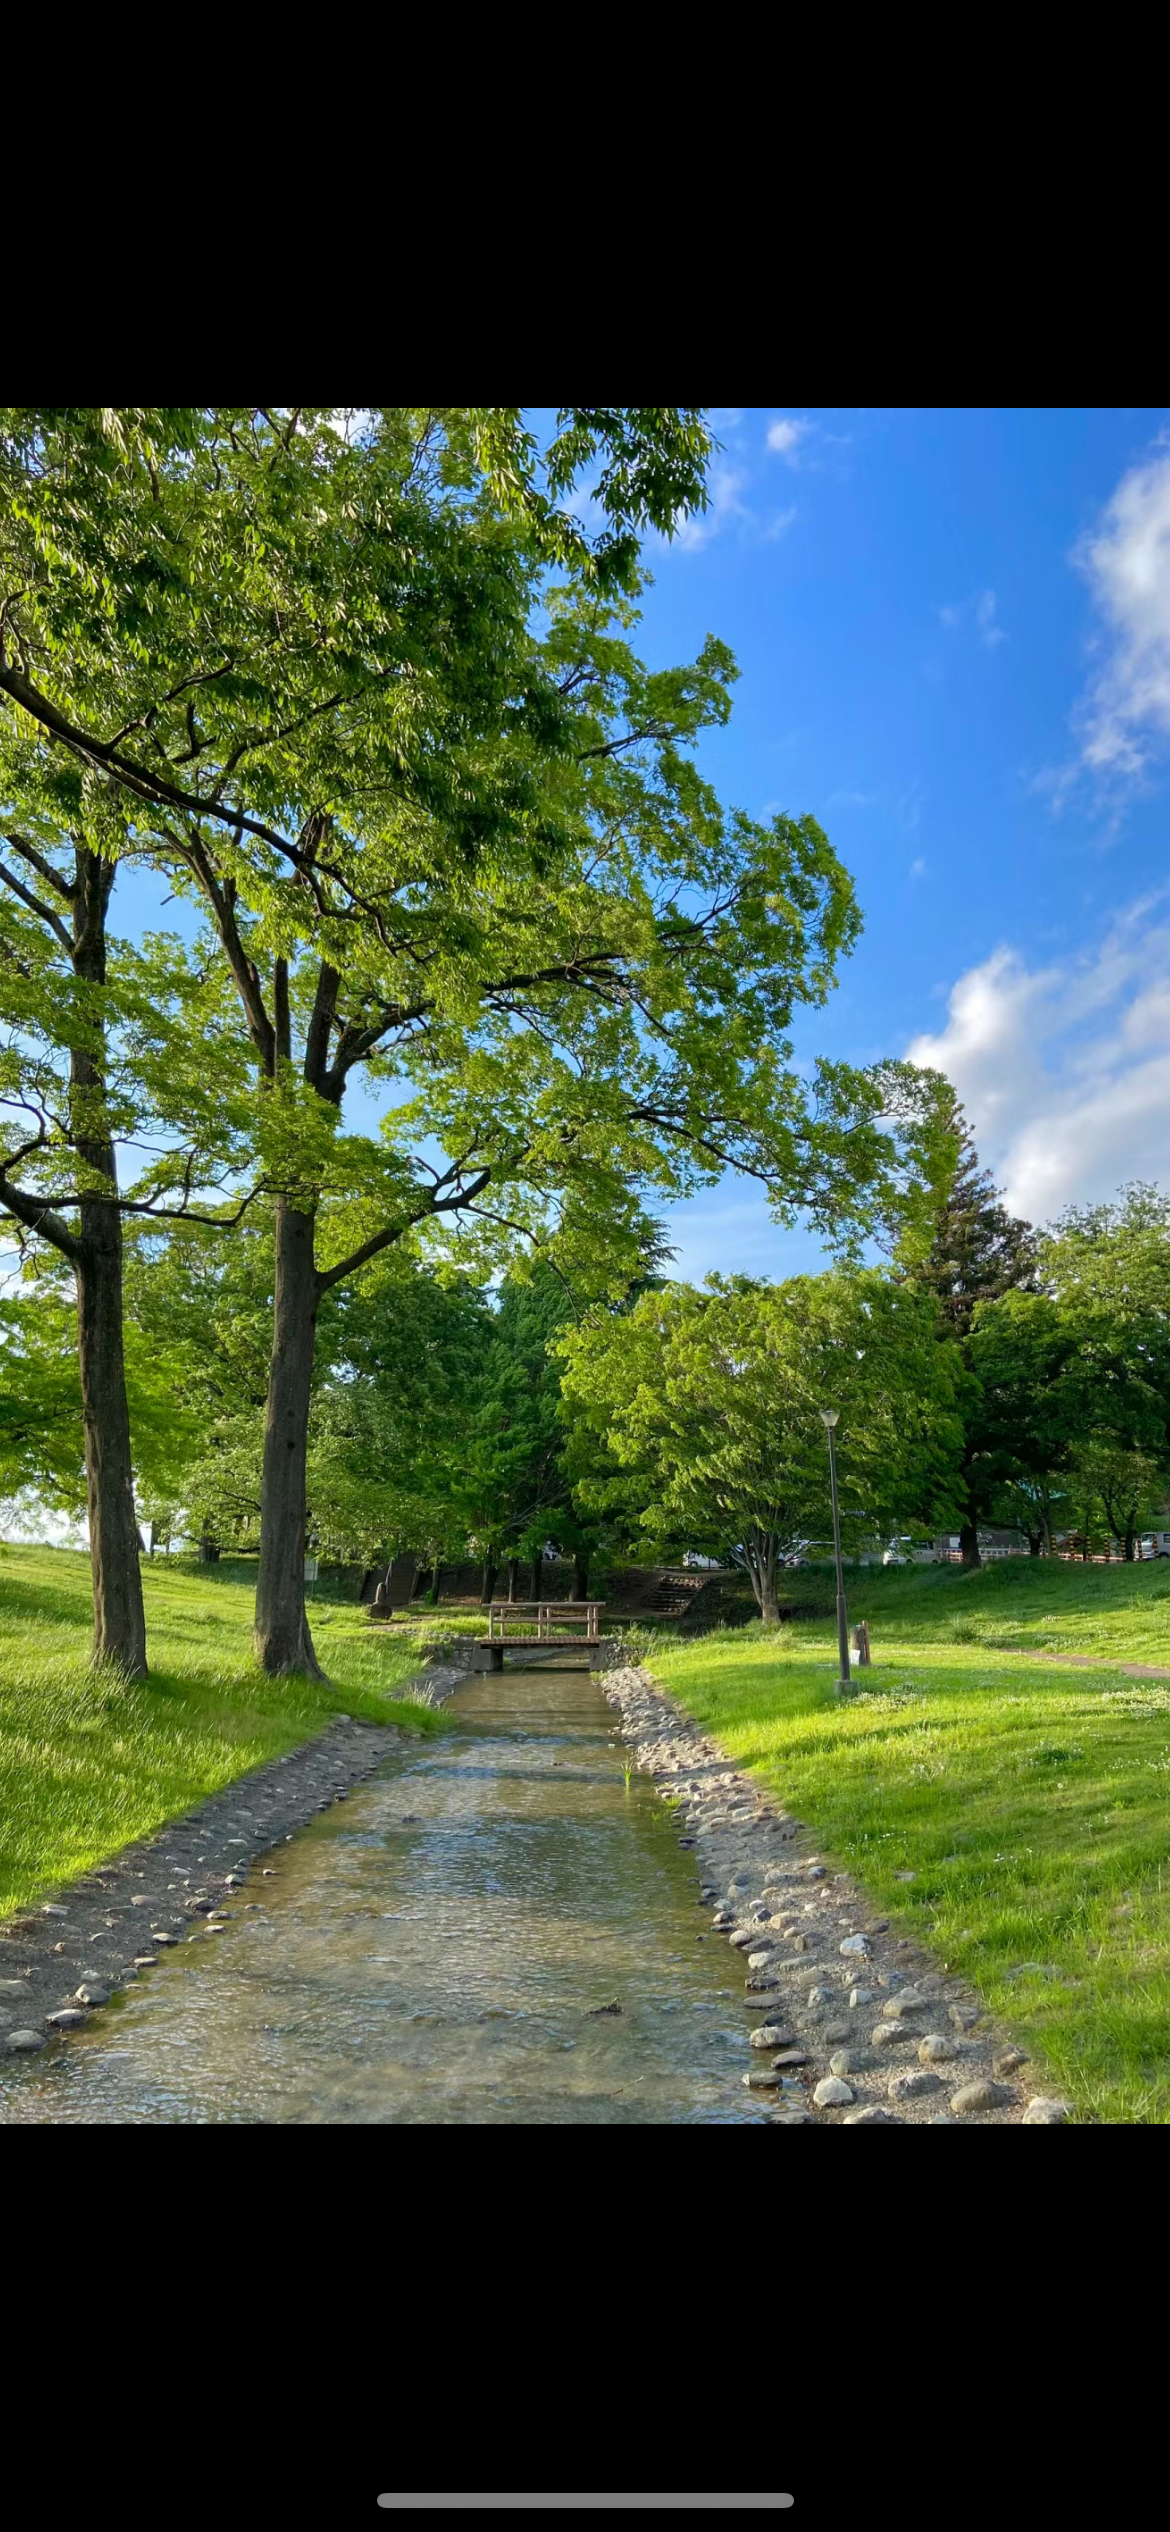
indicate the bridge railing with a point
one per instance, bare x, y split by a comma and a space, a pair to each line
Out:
542, 1621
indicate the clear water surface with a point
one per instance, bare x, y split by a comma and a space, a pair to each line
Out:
434, 1952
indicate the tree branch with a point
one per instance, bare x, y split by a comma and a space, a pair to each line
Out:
320, 1029
47, 914
38, 1216
222, 898
43, 867
331, 1275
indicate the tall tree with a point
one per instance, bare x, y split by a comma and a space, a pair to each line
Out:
476, 862
711, 1406
102, 1043
977, 1252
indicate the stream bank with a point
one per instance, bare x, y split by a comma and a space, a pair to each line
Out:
855, 2026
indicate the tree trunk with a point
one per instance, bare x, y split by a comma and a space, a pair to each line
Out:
208, 1549
769, 1601
537, 1577
436, 1579
488, 1584
1130, 1536
283, 1641
969, 1543
513, 1571
1035, 1542
580, 1589
119, 1620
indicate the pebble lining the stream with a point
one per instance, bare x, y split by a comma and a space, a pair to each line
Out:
868, 2032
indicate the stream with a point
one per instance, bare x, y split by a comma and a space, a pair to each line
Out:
436, 1951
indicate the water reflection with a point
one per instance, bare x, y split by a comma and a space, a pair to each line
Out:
437, 1951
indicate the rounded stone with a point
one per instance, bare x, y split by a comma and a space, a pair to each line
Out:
890, 2035
68, 2018
820, 1995
936, 2049
93, 1993
982, 2095
14, 1989
854, 1943
872, 2117
762, 2078
1008, 2060
759, 1960
25, 2043
861, 1996
915, 2081
1045, 2113
770, 2035
833, 2094
904, 2005
846, 2061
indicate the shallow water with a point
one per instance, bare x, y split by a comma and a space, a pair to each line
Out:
433, 1952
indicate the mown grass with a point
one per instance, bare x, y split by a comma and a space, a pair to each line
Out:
1030, 1803
86, 1763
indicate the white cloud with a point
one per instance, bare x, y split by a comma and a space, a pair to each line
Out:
988, 630
1127, 564
981, 612
784, 439
918, 868
1064, 1070
727, 486
728, 508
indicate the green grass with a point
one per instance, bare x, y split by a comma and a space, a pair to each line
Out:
1030, 1802
87, 1764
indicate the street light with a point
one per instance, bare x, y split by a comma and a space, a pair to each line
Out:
829, 1420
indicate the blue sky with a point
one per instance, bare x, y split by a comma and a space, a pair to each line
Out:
954, 636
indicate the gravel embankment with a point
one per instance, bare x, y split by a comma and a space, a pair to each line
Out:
845, 2023
65, 1957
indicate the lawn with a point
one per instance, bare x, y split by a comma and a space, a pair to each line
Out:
1010, 1814
87, 1764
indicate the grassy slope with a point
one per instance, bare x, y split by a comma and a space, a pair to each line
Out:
86, 1765
1030, 1802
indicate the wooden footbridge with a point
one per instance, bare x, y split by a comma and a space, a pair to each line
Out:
514, 1625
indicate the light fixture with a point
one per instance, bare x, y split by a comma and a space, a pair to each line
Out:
829, 1417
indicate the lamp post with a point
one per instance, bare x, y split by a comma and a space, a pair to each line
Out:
829, 1420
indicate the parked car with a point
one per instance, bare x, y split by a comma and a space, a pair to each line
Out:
909, 1552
